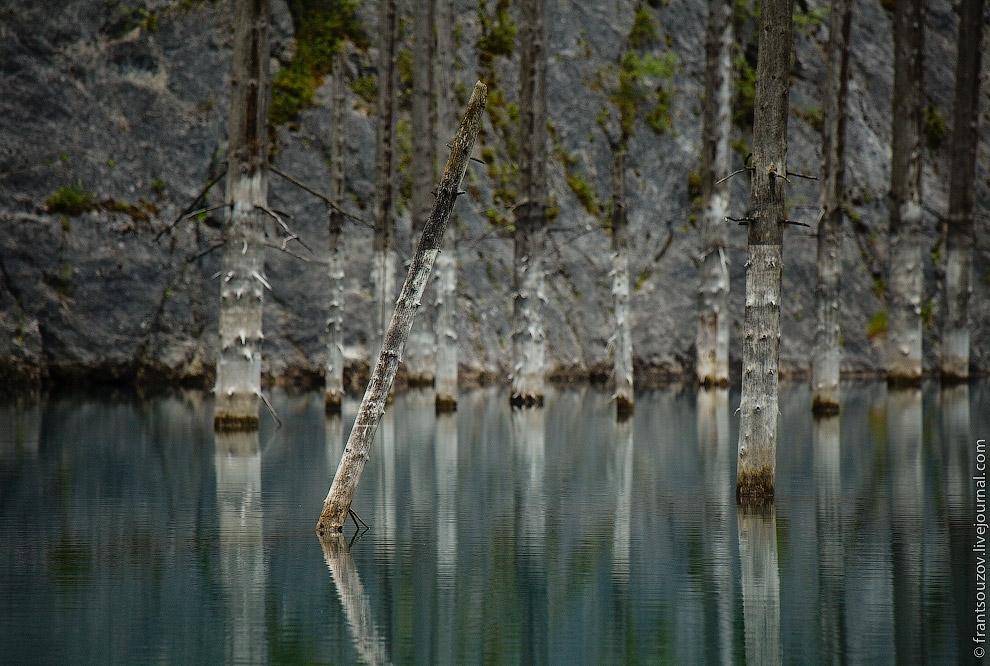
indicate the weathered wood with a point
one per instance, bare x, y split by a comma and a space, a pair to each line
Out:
529, 298
445, 331
712, 341
384, 259
825, 351
420, 361
334, 370
758, 407
242, 279
905, 276
954, 362
622, 350
338, 500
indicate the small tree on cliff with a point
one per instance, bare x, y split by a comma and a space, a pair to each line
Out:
905, 275
825, 353
528, 334
242, 279
713, 271
761, 330
959, 256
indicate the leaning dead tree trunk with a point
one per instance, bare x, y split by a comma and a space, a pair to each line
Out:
825, 352
622, 343
334, 379
529, 298
954, 364
904, 285
761, 330
345, 481
445, 332
419, 362
242, 274
383, 245
716, 125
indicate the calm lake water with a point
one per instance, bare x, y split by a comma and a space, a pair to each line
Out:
129, 534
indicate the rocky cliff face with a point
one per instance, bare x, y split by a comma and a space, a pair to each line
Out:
112, 121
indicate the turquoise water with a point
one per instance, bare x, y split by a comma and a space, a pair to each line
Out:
129, 535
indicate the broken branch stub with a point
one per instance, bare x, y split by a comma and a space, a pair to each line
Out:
345, 481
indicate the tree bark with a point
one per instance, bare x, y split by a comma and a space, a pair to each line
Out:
904, 286
761, 331
384, 258
529, 298
954, 362
713, 289
334, 378
338, 500
825, 352
445, 332
242, 275
420, 359
622, 343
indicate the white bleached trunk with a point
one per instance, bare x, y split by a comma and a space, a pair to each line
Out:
384, 258
954, 362
529, 298
242, 273
420, 360
345, 481
445, 332
905, 278
758, 406
713, 290
825, 351
334, 370
622, 343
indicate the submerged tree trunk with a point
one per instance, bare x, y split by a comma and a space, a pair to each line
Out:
419, 361
334, 379
761, 331
622, 347
242, 274
825, 352
384, 257
445, 332
713, 289
529, 298
345, 481
954, 363
904, 286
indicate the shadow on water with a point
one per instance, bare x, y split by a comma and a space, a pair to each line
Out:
551, 535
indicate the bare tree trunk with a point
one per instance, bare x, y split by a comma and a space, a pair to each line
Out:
529, 298
334, 379
338, 501
825, 352
622, 343
445, 383
242, 275
959, 246
713, 289
419, 362
904, 286
384, 257
761, 331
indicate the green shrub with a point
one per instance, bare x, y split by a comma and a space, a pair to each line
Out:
71, 200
